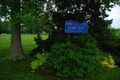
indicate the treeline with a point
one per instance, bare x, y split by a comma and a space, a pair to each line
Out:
4, 27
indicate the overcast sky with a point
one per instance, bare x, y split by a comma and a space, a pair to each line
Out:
115, 15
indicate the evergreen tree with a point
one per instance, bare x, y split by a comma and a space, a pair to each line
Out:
92, 11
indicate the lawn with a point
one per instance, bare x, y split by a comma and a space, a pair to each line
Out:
21, 70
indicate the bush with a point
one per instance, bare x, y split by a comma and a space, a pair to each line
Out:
46, 44
39, 62
69, 60
85, 41
76, 59
117, 60
113, 45
108, 62
72, 59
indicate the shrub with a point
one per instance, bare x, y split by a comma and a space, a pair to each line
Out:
85, 41
69, 60
39, 62
108, 62
112, 44
117, 60
46, 44
76, 59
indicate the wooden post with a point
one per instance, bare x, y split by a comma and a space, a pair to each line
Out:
69, 37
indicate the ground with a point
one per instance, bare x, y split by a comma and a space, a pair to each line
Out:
21, 70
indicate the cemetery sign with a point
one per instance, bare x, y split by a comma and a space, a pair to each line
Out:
76, 27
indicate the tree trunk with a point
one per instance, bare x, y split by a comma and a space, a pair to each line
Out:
49, 33
16, 52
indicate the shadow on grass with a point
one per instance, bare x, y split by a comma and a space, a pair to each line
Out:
21, 70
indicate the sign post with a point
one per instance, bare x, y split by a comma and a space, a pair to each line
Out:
75, 27
69, 37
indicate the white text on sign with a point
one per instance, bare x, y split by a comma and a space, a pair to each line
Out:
73, 27
76, 24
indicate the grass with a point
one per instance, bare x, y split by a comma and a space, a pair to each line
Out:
21, 70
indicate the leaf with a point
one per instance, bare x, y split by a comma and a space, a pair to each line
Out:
32, 71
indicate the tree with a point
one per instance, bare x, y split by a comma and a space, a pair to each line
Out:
1, 26
6, 27
42, 19
92, 11
18, 12
9, 8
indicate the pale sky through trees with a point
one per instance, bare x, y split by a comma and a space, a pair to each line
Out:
115, 15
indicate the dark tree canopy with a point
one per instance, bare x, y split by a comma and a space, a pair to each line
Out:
92, 11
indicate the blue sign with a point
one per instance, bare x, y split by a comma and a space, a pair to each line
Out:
76, 27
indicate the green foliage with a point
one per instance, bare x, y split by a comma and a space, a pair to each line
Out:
108, 62
117, 59
69, 60
85, 41
46, 44
1, 26
4, 27
112, 45
75, 59
27, 30
41, 60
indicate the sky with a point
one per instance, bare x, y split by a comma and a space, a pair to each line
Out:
115, 15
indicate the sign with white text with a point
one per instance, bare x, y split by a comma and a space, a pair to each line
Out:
76, 27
